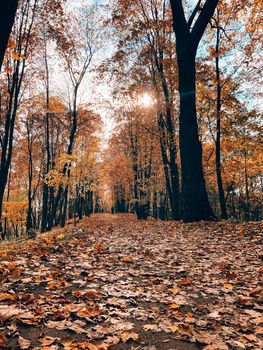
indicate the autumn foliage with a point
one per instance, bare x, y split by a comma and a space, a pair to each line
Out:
61, 84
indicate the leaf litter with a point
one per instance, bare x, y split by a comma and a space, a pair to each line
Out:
118, 283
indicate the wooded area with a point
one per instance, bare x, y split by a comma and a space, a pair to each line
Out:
122, 109
187, 130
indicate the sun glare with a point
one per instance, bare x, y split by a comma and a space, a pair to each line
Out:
145, 100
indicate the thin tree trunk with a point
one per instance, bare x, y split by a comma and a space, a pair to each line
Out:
221, 193
45, 190
247, 211
29, 222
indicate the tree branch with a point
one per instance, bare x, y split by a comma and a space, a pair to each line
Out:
192, 17
202, 21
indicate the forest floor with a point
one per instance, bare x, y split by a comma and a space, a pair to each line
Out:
118, 283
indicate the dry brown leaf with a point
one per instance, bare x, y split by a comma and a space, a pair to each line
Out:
175, 289
228, 286
127, 259
174, 328
7, 311
204, 337
217, 345
23, 343
47, 340
75, 326
150, 327
7, 296
125, 336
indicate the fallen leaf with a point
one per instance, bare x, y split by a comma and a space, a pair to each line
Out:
174, 328
3, 339
175, 289
228, 286
185, 281
75, 326
7, 296
23, 343
217, 345
52, 285
47, 341
150, 327
7, 312
125, 336
97, 247
127, 259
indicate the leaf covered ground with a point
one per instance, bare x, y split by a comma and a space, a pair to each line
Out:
117, 283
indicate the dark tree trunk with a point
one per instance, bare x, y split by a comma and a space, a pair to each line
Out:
195, 200
64, 208
88, 207
7, 17
167, 136
14, 88
247, 203
174, 195
155, 207
29, 222
170, 172
195, 204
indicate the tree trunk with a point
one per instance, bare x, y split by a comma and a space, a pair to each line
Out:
29, 222
247, 205
64, 207
173, 168
7, 17
45, 190
195, 204
221, 193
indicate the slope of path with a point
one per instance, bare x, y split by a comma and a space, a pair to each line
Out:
118, 283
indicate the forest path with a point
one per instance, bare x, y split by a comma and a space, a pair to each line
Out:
118, 283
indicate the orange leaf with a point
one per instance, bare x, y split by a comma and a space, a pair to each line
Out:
52, 285
7, 296
16, 56
185, 281
175, 289
98, 246
127, 259
174, 328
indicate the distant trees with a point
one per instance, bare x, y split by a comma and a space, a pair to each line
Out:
134, 167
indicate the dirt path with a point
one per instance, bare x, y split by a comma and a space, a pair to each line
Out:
117, 283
